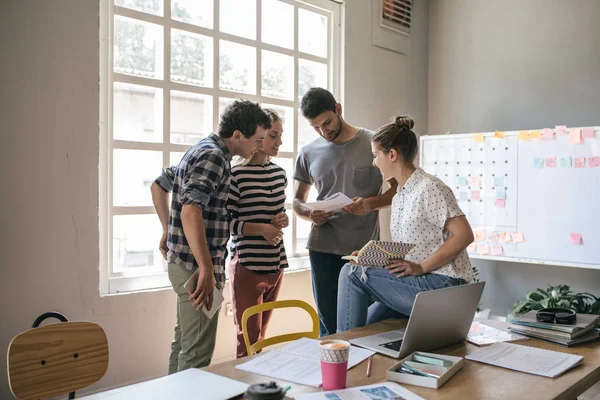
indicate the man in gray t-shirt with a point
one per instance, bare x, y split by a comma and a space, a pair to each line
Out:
340, 160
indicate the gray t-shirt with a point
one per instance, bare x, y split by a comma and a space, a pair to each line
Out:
346, 168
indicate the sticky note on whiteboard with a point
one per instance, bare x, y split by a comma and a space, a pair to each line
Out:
588, 132
523, 135
479, 236
579, 162
535, 135
561, 129
484, 249
538, 162
550, 162
575, 136
497, 250
472, 248
500, 203
576, 238
548, 134
518, 237
499, 135
479, 138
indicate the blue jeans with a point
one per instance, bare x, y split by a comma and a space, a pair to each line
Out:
325, 270
367, 295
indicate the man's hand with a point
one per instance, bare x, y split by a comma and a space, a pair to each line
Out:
280, 221
272, 234
162, 246
404, 268
204, 288
319, 217
359, 206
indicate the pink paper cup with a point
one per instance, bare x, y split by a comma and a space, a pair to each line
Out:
334, 363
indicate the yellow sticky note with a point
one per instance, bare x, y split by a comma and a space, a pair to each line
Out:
535, 135
505, 237
479, 138
523, 135
499, 135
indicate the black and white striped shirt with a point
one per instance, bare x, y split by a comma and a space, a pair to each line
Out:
257, 195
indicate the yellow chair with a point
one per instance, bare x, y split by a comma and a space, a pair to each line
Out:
56, 359
259, 308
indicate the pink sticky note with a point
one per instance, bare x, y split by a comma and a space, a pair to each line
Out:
497, 250
479, 236
505, 237
472, 248
550, 162
593, 162
588, 132
575, 136
475, 195
484, 249
518, 237
576, 238
548, 134
561, 129
579, 162
500, 203
493, 236
475, 181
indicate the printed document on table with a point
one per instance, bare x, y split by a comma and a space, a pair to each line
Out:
526, 359
333, 203
383, 390
298, 362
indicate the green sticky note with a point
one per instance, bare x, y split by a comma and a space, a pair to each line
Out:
432, 361
500, 193
538, 163
464, 196
498, 181
462, 181
565, 162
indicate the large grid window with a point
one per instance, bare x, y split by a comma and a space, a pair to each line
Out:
168, 70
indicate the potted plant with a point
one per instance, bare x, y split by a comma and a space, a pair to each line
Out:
557, 296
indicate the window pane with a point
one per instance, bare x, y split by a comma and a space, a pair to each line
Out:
175, 157
287, 235
135, 244
148, 6
306, 133
310, 74
137, 113
238, 17
302, 231
223, 103
191, 117
277, 75
197, 12
312, 33
138, 48
191, 58
237, 71
288, 166
287, 114
277, 23
133, 173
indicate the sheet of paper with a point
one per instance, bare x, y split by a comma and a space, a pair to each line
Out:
575, 136
548, 134
483, 334
588, 132
575, 238
334, 203
377, 391
526, 359
299, 362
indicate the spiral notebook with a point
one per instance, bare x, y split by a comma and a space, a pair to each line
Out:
378, 253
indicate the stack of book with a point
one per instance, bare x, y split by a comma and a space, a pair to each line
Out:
582, 331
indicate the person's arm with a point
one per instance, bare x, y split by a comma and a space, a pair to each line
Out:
301, 190
195, 235
363, 206
160, 190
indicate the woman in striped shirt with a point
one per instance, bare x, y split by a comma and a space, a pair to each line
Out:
256, 206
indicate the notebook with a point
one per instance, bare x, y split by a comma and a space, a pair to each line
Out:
378, 253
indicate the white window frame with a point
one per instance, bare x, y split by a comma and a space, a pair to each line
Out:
111, 283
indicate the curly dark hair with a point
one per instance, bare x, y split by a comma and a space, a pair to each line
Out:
245, 116
316, 101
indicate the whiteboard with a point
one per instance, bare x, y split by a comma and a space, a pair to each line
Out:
556, 209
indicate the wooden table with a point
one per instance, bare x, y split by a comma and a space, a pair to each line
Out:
474, 381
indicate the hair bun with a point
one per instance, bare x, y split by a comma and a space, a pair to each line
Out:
404, 121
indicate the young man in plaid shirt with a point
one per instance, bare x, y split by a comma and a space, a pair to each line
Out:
196, 227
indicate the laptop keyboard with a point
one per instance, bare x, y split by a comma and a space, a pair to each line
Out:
395, 345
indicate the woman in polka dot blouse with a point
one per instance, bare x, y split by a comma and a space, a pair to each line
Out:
424, 213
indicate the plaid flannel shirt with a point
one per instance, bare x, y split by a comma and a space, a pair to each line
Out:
202, 178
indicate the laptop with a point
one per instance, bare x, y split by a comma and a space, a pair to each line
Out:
438, 318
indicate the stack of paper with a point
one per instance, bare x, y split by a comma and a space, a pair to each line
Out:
582, 331
526, 359
298, 362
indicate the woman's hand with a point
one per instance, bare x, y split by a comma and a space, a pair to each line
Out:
404, 268
280, 221
272, 234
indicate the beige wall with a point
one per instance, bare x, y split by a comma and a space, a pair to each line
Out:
509, 65
49, 168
